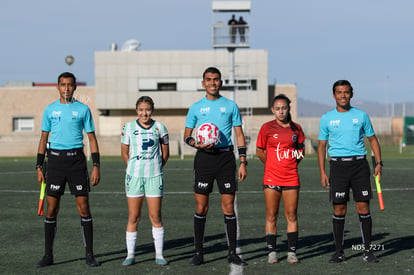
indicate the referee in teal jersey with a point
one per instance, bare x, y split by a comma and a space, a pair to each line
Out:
216, 162
344, 128
62, 129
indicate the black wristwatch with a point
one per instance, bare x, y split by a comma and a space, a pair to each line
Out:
97, 165
243, 162
380, 163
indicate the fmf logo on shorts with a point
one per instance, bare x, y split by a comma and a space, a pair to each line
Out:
227, 185
79, 187
202, 185
340, 195
365, 193
54, 187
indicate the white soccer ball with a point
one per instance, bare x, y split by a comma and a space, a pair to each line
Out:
207, 133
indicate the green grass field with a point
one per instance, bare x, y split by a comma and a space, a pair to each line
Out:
22, 239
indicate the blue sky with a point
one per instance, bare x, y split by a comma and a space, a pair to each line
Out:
310, 43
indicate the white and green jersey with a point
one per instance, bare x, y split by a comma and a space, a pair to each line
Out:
144, 148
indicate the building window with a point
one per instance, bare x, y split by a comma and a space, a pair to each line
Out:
167, 86
23, 124
240, 84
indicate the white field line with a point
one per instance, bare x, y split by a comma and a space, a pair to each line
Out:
192, 193
179, 169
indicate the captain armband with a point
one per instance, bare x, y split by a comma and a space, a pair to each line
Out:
190, 139
165, 140
242, 151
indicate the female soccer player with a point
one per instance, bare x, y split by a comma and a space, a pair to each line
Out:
145, 150
280, 147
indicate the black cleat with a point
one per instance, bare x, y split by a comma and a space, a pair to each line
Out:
233, 258
369, 257
45, 261
91, 261
338, 257
197, 259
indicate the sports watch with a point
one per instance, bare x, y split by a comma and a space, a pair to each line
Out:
243, 162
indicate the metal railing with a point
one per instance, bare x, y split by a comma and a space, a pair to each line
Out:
231, 36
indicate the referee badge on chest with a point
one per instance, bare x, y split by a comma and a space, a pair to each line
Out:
355, 122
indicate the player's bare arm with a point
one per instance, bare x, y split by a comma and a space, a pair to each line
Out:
321, 161
261, 154
165, 150
125, 153
95, 175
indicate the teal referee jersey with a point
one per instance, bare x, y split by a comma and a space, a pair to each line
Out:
223, 112
66, 123
345, 132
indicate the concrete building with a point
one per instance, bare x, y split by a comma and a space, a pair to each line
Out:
171, 78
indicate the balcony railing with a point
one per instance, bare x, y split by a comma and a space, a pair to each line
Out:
231, 36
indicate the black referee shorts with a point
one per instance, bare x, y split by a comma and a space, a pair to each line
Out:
220, 166
354, 174
67, 166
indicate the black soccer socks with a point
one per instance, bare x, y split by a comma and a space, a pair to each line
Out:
292, 241
50, 232
338, 224
365, 223
199, 226
231, 231
87, 234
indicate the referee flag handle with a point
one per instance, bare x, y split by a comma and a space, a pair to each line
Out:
378, 185
42, 191
41, 198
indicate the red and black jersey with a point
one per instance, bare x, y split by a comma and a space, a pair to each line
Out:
282, 153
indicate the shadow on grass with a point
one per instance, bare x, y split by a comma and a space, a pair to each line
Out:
309, 247
178, 249
318, 245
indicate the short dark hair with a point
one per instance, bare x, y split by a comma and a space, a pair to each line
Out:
212, 70
146, 99
67, 75
342, 83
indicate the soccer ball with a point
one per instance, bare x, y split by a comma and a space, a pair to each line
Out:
207, 133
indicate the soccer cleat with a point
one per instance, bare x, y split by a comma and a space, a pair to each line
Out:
233, 258
128, 261
272, 257
338, 257
161, 261
369, 257
291, 258
45, 261
197, 259
91, 261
